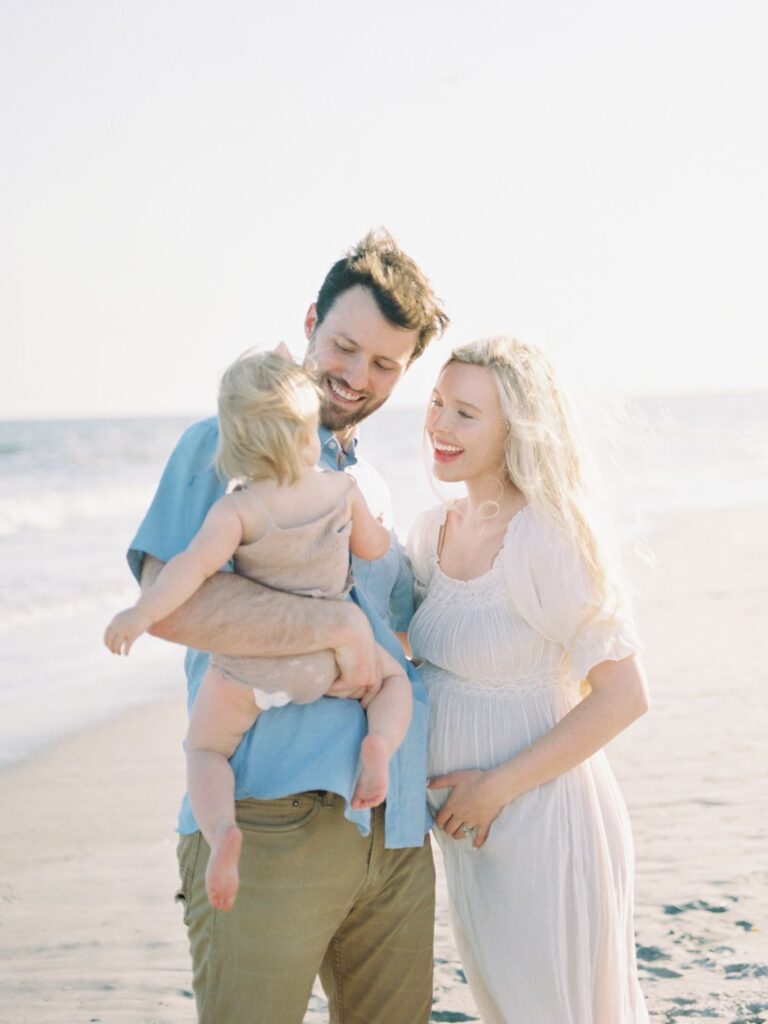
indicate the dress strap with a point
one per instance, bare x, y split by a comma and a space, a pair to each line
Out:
260, 502
440, 539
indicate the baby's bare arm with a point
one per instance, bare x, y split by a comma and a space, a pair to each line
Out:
211, 547
369, 539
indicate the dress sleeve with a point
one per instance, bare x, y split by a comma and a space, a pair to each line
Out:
187, 489
421, 548
550, 588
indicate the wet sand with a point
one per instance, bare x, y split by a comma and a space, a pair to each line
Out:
89, 931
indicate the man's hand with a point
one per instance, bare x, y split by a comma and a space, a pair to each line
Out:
358, 661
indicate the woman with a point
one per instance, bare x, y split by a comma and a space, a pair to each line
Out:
516, 607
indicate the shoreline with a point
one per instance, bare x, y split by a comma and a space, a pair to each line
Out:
152, 660
89, 930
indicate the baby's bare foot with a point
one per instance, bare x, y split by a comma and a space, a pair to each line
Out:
221, 876
371, 788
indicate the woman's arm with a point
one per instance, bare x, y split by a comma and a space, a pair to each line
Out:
405, 643
618, 696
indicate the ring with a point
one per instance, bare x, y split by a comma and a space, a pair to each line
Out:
466, 830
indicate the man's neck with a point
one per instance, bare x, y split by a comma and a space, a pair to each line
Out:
346, 437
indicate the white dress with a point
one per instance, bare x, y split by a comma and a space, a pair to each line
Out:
542, 913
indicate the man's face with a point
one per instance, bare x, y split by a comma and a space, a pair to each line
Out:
357, 355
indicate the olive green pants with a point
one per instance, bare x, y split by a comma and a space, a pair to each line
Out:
315, 897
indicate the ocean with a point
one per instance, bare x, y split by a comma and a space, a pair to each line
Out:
72, 493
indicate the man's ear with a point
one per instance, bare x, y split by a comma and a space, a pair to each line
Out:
310, 321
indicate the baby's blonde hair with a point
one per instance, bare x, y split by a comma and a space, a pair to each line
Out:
543, 451
267, 409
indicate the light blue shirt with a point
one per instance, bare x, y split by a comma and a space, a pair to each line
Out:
300, 746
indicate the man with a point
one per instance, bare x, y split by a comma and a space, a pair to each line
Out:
323, 889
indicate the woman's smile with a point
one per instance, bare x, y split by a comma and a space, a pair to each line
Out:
444, 452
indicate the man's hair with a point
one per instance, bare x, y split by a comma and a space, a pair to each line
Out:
266, 411
402, 293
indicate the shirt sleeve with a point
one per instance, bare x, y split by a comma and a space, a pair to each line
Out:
401, 598
188, 487
551, 589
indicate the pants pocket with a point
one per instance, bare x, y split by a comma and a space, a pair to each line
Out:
282, 815
186, 852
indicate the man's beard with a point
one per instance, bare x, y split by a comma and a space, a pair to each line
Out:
334, 418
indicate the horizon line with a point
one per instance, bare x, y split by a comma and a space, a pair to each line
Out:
611, 396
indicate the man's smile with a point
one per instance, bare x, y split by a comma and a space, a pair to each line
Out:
342, 394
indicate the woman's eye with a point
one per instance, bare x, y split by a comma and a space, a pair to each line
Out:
465, 415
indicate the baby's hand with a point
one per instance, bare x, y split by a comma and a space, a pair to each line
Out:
125, 628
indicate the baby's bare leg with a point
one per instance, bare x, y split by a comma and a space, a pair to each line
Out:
222, 713
389, 715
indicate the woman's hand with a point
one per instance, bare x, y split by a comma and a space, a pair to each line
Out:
475, 800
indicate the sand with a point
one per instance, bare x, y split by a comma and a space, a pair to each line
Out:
89, 931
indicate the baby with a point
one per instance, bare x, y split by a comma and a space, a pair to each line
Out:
290, 526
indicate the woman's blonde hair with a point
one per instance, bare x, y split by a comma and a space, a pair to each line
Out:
544, 452
267, 409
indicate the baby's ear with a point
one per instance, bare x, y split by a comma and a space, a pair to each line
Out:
283, 352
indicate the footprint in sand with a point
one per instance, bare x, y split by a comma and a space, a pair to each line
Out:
674, 908
650, 953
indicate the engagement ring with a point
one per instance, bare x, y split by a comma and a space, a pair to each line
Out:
466, 830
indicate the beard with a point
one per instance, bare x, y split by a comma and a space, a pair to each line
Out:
334, 417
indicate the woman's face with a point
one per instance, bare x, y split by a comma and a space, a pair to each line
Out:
465, 425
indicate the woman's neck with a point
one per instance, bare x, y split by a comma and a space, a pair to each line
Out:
490, 490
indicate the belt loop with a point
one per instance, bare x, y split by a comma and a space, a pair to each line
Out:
328, 799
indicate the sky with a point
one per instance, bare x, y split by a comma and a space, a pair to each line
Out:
177, 177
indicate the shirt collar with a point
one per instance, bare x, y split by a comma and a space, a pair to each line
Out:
332, 453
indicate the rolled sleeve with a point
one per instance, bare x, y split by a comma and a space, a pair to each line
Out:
187, 489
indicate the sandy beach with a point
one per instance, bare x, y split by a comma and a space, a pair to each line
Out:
89, 931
